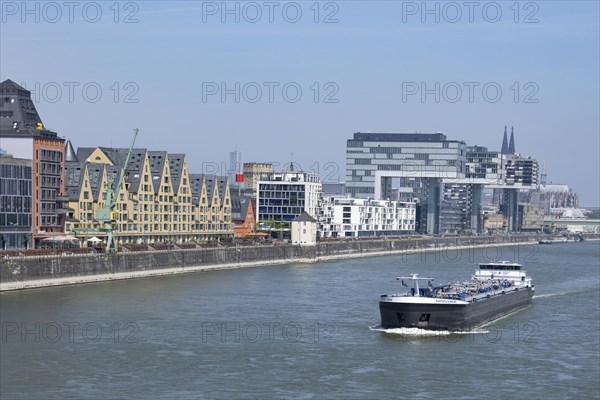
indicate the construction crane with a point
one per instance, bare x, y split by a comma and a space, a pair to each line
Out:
107, 217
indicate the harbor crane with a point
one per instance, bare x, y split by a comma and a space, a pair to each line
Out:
107, 217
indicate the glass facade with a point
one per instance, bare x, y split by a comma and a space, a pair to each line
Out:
418, 163
281, 201
417, 154
284, 196
15, 203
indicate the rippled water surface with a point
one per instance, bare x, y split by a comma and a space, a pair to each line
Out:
303, 331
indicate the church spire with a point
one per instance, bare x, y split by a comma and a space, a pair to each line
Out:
504, 143
511, 145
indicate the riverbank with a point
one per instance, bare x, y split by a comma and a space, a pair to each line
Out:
35, 272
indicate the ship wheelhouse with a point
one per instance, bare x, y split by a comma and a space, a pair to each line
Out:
503, 270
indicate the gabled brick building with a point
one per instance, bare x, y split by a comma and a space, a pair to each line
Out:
242, 214
23, 136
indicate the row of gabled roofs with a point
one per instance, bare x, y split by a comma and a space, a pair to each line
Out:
74, 172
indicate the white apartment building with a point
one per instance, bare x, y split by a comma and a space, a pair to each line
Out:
350, 217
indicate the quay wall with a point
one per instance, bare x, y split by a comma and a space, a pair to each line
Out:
41, 271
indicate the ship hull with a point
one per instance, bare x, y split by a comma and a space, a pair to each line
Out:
449, 316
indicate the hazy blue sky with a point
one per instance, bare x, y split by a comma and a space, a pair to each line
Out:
371, 61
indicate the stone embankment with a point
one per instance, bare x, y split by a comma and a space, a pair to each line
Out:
34, 272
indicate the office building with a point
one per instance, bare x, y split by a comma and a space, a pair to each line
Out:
413, 162
15, 203
283, 196
235, 168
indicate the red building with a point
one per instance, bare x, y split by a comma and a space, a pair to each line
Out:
22, 135
242, 214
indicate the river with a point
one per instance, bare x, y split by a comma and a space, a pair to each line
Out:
303, 331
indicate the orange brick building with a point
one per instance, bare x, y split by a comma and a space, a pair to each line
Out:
243, 216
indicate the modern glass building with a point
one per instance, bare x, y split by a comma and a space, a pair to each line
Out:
417, 161
283, 196
15, 203
444, 177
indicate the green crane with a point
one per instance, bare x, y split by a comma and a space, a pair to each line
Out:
107, 217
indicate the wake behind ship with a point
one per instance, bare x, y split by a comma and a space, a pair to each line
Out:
495, 290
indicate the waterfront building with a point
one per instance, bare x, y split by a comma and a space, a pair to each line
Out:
158, 202
282, 196
444, 177
417, 163
351, 217
374, 159
211, 200
494, 223
304, 230
242, 214
520, 174
455, 210
252, 174
530, 218
23, 135
15, 203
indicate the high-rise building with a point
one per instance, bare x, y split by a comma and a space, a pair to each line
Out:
235, 167
23, 135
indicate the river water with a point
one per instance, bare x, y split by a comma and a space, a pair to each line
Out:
306, 331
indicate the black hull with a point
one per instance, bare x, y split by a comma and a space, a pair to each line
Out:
452, 317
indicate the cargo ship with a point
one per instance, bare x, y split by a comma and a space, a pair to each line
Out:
495, 290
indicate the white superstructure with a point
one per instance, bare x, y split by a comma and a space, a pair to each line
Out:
503, 270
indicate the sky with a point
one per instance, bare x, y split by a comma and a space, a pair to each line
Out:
283, 80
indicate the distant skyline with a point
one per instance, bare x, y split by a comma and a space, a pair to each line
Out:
379, 68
